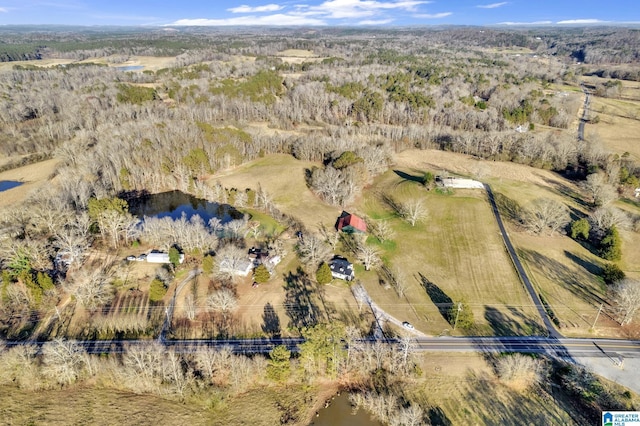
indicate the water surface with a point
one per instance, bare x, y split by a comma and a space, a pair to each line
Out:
6, 185
174, 204
340, 413
131, 68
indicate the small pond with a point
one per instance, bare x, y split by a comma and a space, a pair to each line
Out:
340, 413
6, 185
174, 204
131, 68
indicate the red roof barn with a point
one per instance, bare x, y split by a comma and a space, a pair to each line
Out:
351, 223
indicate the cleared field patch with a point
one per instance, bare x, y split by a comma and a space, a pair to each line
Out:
33, 175
457, 254
442, 161
298, 56
566, 275
93, 406
619, 125
283, 177
630, 241
462, 389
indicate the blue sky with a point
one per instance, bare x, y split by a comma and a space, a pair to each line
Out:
317, 12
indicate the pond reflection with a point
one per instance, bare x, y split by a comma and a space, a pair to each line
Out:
340, 413
174, 204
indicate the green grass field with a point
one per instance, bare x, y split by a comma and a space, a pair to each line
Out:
282, 177
455, 254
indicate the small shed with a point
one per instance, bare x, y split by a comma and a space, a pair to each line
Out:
161, 257
350, 223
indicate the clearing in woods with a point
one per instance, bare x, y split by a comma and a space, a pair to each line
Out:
619, 119
282, 177
456, 254
564, 272
33, 175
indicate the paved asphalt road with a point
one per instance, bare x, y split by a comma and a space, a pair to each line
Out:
551, 330
585, 111
564, 348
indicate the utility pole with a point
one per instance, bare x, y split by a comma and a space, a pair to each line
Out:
597, 316
457, 315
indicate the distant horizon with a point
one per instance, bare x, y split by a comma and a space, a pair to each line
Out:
630, 25
319, 13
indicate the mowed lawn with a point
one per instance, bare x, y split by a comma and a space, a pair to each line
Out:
618, 126
282, 177
564, 272
619, 118
455, 254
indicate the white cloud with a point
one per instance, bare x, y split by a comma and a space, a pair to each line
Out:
277, 19
374, 22
433, 15
581, 21
341, 9
248, 9
363, 12
526, 23
4, 10
125, 17
492, 5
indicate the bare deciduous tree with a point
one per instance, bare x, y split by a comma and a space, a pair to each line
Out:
546, 214
92, 288
223, 301
175, 372
236, 228
413, 211
330, 235
215, 363
520, 371
313, 250
604, 218
369, 256
64, 360
382, 230
230, 258
19, 365
602, 193
407, 347
625, 295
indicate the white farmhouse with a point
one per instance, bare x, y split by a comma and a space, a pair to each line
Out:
341, 268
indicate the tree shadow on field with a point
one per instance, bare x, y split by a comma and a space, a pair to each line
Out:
577, 282
438, 417
412, 178
516, 325
302, 309
565, 191
270, 321
590, 267
491, 403
438, 297
508, 207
